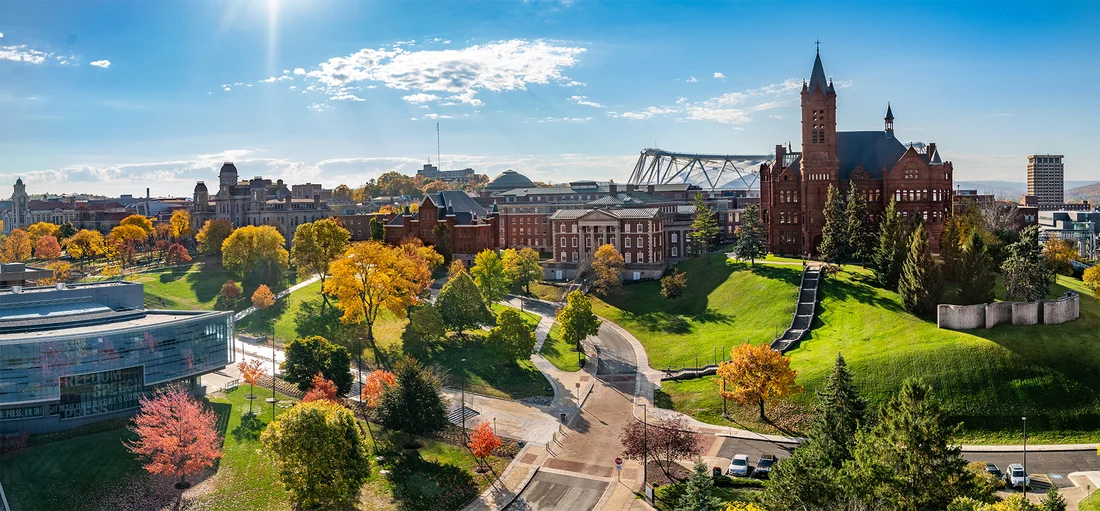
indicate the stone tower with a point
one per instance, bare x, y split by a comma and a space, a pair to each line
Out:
820, 167
19, 201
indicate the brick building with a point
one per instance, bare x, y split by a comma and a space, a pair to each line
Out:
793, 189
472, 227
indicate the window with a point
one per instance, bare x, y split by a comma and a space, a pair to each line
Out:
641, 257
563, 243
574, 242
675, 239
675, 251
626, 257
626, 228
574, 257
641, 242
640, 229
563, 257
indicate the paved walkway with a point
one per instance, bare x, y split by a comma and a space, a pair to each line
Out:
278, 296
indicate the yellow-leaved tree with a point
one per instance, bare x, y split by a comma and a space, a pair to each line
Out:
180, 223
140, 221
372, 275
17, 247
607, 268
316, 244
256, 253
40, 229
756, 374
1092, 280
212, 235
85, 244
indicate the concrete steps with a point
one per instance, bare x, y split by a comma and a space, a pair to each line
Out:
803, 316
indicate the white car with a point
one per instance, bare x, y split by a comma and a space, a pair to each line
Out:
1015, 476
739, 466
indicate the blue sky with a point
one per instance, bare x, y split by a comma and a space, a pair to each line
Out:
112, 97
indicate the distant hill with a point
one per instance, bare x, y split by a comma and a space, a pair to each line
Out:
1090, 193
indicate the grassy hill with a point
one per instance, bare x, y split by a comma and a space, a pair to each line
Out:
1090, 193
988, 378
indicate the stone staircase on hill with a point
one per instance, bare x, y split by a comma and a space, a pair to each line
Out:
804, 311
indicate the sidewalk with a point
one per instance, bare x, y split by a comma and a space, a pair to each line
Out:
514, 479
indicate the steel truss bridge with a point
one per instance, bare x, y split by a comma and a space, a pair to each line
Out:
709, 171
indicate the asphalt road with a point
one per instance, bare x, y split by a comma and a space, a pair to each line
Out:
616, 353
556, 491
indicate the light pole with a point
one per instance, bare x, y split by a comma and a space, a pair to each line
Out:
359, 351
645, 444
273, 368
462, 410
1025, 457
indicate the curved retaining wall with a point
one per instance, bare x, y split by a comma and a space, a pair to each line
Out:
1047, 312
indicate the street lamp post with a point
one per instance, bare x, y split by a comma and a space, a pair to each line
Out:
462, 409
359, 351
273, 368
645, 444
1025, 457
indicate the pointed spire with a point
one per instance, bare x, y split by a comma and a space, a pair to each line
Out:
817, 76
889, 121
889, 112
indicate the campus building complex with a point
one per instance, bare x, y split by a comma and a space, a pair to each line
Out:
1045, 179
470, 226
75, 354
793, 189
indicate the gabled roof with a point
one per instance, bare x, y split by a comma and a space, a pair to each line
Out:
621, 213
628, 199
37, 205
874, 150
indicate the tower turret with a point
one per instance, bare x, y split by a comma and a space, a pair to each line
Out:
889, 121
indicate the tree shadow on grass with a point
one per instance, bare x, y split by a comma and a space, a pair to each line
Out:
175, 273
419, 484
249, 429
862, 291
660, 322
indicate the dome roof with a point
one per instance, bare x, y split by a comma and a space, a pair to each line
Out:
200, 187
508, 180
228, 167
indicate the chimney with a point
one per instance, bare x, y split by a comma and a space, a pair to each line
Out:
931, 148
651, 188
612, 188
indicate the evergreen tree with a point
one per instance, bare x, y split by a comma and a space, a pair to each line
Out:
442, 235
461, 305
840, 413
834, 247
861, 237
976, 277
909, 458
1052, 501
414, 405
920, 286
377, 230
951, 252
1026, 275
891, 248
750, 236
698, 493
704, 228
804, 481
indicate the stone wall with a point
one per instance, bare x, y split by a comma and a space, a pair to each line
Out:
960, 317
998, 313
1064, 309
1047, 312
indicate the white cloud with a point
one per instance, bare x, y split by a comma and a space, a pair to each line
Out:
273, 79
420, 97
719, 76
238, 84
437, 116
729, 108
227, 89
249, 85
565, 119
583, 100
574, 83
22, 53
1, 35
691, 80
299, 71
647, 113
291, 87
345, 96
286, 71
463, 73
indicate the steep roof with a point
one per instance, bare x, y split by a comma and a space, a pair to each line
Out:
871, 149
817, 76
889, 112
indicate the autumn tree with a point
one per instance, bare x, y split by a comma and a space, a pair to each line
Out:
123, 241
1026, 275
263, 298
891, 249
372, 276
483, 441
176, 254
47, 248
607, 269
251, 371
316, 245
577, 320
319, 453
176, 436
256, 254
861, 235
414, 405
668, 440
1091, 277
704, 228
377, 230
140, 221
975, 273
461, 305
212, 235
921, 285
228, 295
756, 374
442, 235
320, 388
85, 244
374, 385
1059, 255
512, 336
17, 247
180, 224
673, 284
425, 260
39, 229
311, 355
456, 267
60, 269
488, 273
522, 267
834, 247
750, 238
342, 193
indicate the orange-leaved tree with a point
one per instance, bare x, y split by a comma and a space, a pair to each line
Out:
482, 443
177, 437
47, 248
320, 389
263, 298
375, 384
756, 374
251, 372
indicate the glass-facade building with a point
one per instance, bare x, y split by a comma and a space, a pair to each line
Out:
67, 358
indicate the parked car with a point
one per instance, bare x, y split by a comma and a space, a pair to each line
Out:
994, 471
764, 465
1016, 476
739, 466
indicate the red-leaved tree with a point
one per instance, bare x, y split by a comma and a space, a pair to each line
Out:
320, 388
482, 443
375, 384
177, 437
669, 440
251, 372
176, 254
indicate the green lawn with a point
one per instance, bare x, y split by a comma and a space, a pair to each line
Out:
560, 353
987, 378
57, 475
485, 371
547, 292
192, 286
530, 318
1092, 503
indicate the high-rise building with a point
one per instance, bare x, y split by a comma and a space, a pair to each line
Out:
1045, 178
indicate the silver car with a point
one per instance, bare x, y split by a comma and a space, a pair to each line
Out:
739, 466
